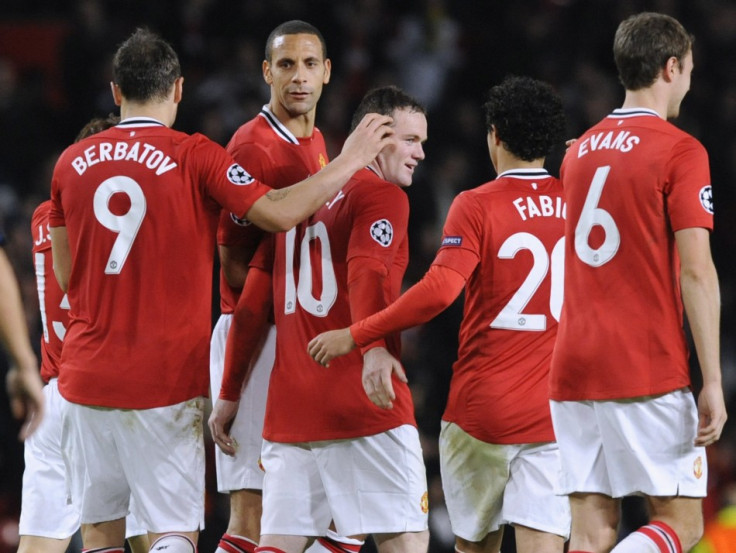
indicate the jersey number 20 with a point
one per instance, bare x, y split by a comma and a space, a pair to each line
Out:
511, 317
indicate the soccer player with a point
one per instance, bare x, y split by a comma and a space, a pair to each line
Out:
328, 453
24, 385
639, 216
280, 146
133, 220
47, 520
502, 242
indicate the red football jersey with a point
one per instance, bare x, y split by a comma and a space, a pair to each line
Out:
52, 301
630, 182
140, 203
367, 220
513, 226
273, 155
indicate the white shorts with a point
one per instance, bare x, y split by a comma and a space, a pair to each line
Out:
489, 485
45, 511
370, 485
641, 446
242, 471
152, 456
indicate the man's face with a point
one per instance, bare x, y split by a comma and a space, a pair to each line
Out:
681, 85
296, 73
398, 161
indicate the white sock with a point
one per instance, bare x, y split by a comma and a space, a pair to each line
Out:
173, 543
655, 537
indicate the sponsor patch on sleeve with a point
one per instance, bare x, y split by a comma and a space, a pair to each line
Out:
706, 198
239, 176
382, 232
452, 241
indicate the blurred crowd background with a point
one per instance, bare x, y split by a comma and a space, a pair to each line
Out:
55, 72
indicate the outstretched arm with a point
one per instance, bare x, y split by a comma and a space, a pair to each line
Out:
701, 298
250, 321
24, 385
279, 210
422, 302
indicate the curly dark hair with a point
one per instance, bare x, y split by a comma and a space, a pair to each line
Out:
145, 67
643, 44
526, 115
385, 100
97, 124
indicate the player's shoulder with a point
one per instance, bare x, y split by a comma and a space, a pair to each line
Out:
367, 186
41, 212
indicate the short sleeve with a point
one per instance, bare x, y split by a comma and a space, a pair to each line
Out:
689, 198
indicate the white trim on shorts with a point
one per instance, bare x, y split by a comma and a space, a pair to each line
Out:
242, 471
488, 485
639, 446
152, 456
369, 485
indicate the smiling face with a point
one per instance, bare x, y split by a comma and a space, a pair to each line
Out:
396, 163
296, 73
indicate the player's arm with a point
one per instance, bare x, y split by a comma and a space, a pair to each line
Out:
23, 381
234, 262
701, 298
439, 287
248, 328
62, 256
280, 210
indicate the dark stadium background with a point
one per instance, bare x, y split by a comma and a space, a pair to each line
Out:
54, 75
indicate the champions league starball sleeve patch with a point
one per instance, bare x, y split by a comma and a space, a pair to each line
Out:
241, 222
238, 176
706, 198
382, 232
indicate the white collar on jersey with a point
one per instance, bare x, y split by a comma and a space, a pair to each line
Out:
525, 173
277, 126
136, 122
633, 112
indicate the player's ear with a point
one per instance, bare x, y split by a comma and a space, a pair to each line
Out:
328, 71
267, 73
178, 89
671, 67
116, 94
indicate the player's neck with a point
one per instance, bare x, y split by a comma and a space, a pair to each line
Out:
506, 161
648, 98
157, 111
301, 126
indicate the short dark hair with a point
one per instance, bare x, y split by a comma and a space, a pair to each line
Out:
97, 124
294, 27
145, 67
385, 100
527, 116
642, 45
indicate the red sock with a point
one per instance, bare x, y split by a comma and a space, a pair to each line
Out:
236, 544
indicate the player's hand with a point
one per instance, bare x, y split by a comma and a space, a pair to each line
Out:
328, 345
25, 390
569, 143
712, 414
220, 421
372, 135
378, 366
